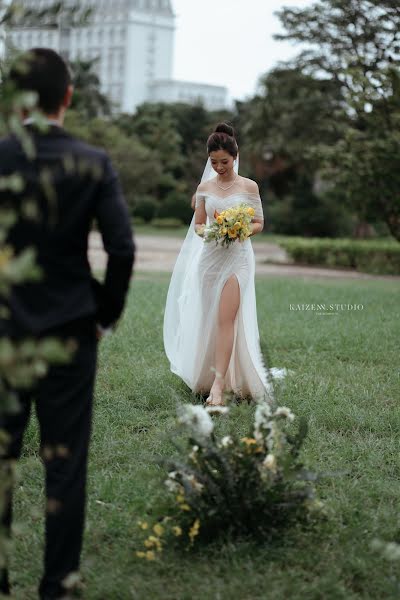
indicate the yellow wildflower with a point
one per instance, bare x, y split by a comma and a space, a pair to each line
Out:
194, 530
149, 555
220, 220
143, 525
237, 225
248, 441
153, 542
177, 530
158, 529
251, 445
232, 233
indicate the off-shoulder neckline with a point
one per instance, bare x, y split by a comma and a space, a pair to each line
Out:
207, 193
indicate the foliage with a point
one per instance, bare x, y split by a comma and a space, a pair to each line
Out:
88, 99
54, 14
370, 256
145, 208
356, 45
253, 485
364, 166
303, 210
137, 165
154, 127
176, 206
25, 361
21, 363
166, 223
291, 113
353, 42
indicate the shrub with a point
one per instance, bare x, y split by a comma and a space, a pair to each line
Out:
176, 206
304, 213
254, 485
167, 223
370, 256
138, 221
145, 208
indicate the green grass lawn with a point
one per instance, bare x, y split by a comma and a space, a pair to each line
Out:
148, 229
345, 381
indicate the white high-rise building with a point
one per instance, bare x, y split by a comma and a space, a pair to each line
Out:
133, 41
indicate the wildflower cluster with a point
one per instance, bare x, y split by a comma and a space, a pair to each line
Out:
160, 534
254, 484
230, 225
153, 543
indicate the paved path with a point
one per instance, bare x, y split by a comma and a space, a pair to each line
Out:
158, 254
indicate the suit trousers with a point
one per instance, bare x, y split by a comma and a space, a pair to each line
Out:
63, 402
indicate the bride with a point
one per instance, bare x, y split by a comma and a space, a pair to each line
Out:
210, 325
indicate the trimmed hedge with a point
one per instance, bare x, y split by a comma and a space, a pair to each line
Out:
370, 256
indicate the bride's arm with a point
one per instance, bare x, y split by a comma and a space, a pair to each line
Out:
256, 227
200, 216
257, 224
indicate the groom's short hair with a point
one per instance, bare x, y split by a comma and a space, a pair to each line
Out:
45, 72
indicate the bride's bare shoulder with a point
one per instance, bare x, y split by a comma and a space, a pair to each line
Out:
206, 186
249, 185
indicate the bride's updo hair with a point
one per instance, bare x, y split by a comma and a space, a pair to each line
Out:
223, 138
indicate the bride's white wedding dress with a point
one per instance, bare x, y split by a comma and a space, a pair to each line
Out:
190, 321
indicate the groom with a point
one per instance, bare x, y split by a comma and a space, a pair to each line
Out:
66, 302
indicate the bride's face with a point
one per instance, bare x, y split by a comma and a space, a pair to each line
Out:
222, 162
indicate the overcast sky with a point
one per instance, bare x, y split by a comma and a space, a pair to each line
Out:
229, 42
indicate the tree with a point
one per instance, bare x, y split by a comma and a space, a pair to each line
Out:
153, 126
356, 43
138, 166
88, 98
292, 112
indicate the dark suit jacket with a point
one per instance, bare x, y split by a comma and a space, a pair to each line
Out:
83, 188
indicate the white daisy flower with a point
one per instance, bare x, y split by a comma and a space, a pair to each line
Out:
283, 411
226, 441
270, 462
197, 419
217, 410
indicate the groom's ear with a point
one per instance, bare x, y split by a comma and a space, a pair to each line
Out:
68, 96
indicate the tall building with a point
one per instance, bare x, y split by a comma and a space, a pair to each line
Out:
133, 41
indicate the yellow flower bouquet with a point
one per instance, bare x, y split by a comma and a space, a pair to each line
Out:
230, 225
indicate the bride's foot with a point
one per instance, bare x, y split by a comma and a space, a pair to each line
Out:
215, 398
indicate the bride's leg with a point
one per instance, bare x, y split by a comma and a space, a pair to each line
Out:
228, 308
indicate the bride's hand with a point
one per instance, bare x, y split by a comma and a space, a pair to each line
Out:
200, 230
